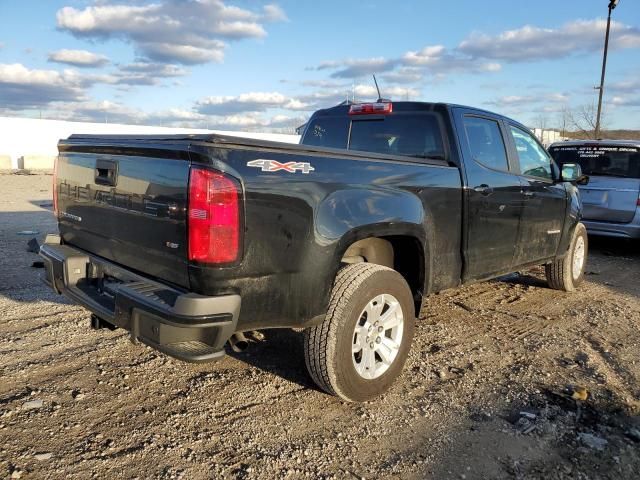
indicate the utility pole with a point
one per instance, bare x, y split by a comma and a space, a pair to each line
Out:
612, 4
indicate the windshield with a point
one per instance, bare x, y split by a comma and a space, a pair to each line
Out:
416, 135
611, 161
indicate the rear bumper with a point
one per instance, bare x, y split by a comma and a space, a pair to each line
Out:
186, 326
610, 229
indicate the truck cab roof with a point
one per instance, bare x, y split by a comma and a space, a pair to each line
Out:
411, 106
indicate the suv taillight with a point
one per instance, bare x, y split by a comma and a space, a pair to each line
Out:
55, 187
214, 217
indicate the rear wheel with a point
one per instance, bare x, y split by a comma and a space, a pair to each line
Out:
568, 273
361, 346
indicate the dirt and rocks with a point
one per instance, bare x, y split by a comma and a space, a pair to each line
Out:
506, 379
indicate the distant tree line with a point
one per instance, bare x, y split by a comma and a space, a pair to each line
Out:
580, 122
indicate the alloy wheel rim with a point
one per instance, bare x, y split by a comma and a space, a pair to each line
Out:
377, 336
578, 257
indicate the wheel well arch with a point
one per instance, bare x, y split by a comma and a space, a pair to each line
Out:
403, 253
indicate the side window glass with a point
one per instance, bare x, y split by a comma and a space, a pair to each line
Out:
534, 160
486, 143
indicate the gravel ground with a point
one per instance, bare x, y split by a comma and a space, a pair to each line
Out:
488, 391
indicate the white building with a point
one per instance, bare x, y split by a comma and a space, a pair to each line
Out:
546, 136
32, 143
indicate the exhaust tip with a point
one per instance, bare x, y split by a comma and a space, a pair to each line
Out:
97, 323
238, 342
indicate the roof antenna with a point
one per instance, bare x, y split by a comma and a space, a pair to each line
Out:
380, 99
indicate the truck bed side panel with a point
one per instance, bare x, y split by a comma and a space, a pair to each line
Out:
297, 227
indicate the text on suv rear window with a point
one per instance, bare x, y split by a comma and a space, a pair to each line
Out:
605, 160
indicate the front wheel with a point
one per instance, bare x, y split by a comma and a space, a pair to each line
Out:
568, 273
361, 346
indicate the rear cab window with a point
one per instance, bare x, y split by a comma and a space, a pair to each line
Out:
416, 135
330, 132
601, 160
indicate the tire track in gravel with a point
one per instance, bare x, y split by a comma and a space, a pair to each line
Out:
40, 316
20, 332
70, 327
624, 380
52, 354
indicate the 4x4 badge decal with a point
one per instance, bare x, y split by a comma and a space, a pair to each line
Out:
275, 166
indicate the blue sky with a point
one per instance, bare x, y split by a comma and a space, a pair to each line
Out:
261, 66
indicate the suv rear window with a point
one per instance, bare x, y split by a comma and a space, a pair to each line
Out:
415, 135
604, 160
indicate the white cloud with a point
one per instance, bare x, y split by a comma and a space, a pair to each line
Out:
556, 97
404, 76
273, 13
295, 104
631, 85
251, 121
23, 88
100, 111
285, 121
179, 31
212, 51
437, 60
508, 101
320, 83
491, 67
176, 117
535, 43
624, 101
369, 92
157, 69
427, 56
78, 58
329, 97
482, 53
116, 112
412, 66
145, 73
255, 122
354, 68
247, 102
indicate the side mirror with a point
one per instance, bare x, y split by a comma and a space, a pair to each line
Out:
572, 172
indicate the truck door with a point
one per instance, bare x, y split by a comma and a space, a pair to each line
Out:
494, 196
545, 201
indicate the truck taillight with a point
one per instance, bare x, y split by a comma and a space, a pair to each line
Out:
55, 187
371, 108
213, 223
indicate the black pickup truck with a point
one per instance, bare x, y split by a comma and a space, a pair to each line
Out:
187, 241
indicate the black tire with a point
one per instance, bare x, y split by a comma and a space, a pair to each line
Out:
328, 346
560, 274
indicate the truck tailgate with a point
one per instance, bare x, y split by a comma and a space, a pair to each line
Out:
128, 207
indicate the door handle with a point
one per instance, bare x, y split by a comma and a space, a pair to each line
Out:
529, 193
483, 189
